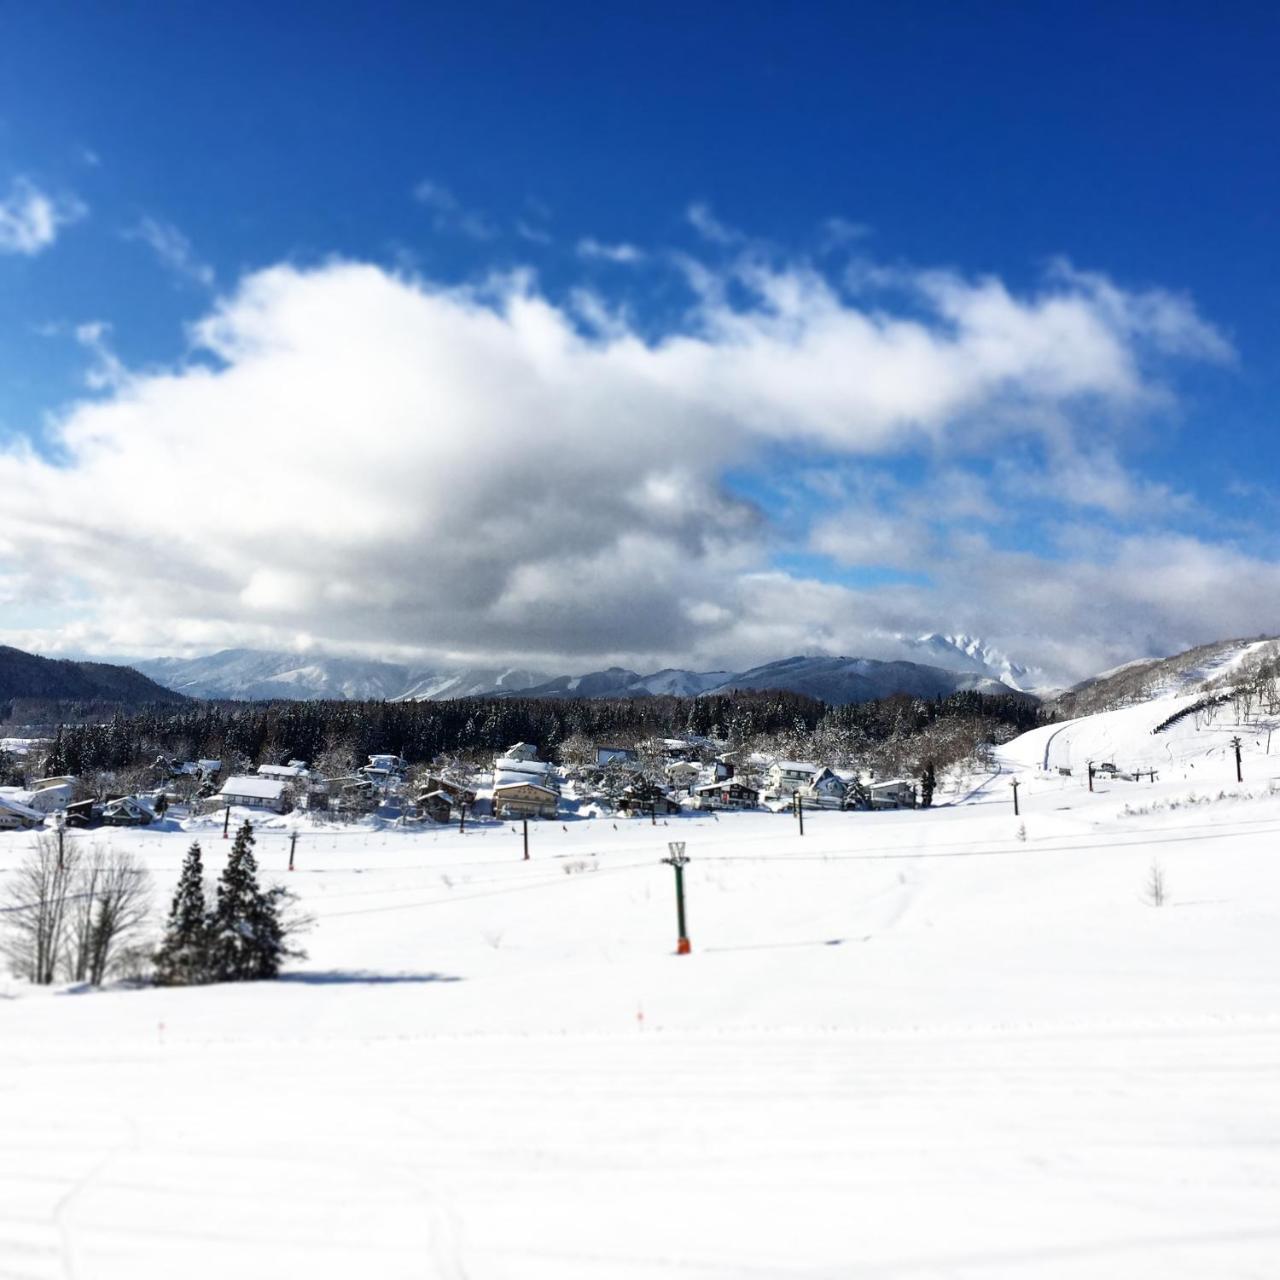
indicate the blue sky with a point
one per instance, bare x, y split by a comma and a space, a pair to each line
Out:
649, 174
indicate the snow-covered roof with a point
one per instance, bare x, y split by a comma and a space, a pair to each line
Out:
523, 782
724, 784
23, 811
513, 764
254, 788
282, 770
795, 766
513, 777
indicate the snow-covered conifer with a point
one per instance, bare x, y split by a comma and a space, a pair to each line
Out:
183, 957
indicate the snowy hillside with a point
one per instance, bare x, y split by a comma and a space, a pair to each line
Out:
927, 1043
1149, 678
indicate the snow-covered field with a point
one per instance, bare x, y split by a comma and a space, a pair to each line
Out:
951, 1043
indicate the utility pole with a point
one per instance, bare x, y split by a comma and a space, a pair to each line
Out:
226, 818
1014, 785
462, 817
678, 860
1090, 775
1235, 742
525, 820
797, 804
293, 844
60, 822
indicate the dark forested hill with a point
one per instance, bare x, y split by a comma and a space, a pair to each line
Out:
30, 680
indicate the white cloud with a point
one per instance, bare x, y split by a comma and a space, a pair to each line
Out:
448, 214
381, 462
173, 249
623, 254
30, 219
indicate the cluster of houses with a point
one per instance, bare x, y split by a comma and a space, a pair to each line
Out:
674, 775
666, 777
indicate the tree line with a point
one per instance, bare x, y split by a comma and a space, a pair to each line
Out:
348, 732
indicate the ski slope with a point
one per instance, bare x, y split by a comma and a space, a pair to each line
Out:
950, 1043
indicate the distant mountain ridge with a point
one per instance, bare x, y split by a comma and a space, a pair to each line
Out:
253, 674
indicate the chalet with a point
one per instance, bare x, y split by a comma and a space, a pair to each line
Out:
255, 793
435, 805
615, 755
521, 751
785, 777
728, 793
825, 790
525, 799
893, 793
15, 816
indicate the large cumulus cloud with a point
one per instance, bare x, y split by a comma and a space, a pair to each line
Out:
378, 462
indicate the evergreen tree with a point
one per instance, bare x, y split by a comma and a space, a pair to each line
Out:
248, 935
928, 781
183, 957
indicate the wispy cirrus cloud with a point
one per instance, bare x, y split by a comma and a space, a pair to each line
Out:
622, 254
448, 213
174, 251
31, 219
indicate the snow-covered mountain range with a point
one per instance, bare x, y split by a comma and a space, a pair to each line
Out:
257, 674
968, 653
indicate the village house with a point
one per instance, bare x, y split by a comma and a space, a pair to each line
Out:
15, 816
48, 795
825, 790
459, 794
127, 811
785, 777
436, 806
255, 793
525, 799
290, 772
893, 793
728, 793
384, 769
645, 796
683, 774
521, 751
606, 755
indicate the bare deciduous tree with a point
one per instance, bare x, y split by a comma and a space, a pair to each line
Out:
35, 916
109, 913
1156, 894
